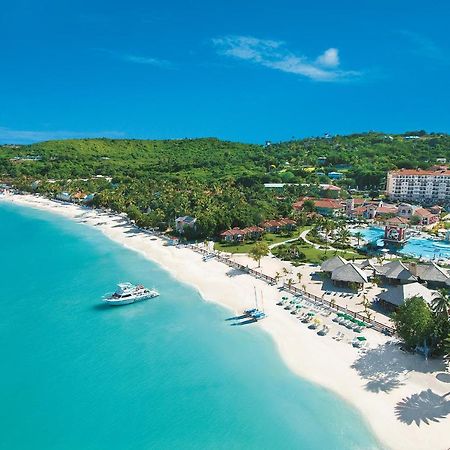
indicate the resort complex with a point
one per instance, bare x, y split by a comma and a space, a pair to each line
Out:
356, 272
418, 185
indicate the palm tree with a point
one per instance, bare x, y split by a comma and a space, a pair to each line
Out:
447, 347
343, 236
441, 303
277, 277
358, 236
299, 276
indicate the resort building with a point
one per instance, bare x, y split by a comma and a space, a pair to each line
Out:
278, 225
239, 235
396, 230
333, 263
335, 175
349, 275
183, 222
396, 272
421, 186
431, 274
64, 197
329, 190
395, 296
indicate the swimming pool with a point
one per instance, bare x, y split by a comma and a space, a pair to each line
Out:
417, 247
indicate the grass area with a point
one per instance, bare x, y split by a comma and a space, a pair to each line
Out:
270, 238
316, 256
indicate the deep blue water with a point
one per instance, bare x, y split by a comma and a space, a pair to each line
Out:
164, 374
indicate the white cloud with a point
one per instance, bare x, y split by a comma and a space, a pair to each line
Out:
275, 55
11, 136
135, 59
424, 46
144, 60
329, 58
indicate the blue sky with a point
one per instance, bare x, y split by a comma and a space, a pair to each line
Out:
247, 71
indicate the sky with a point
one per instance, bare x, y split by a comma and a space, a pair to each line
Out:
245, 71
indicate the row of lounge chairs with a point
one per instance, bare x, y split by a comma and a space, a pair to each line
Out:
350, 322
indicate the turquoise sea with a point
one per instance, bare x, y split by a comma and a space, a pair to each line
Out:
164, 374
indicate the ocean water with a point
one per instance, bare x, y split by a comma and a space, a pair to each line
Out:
169, 373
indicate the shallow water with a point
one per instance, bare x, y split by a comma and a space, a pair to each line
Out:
417, 247
169, 373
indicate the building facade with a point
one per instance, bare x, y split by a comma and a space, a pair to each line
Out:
421, 186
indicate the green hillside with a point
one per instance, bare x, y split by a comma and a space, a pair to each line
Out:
220, 182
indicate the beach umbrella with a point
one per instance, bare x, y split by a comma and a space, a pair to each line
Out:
311, 314
317, 320
361, 338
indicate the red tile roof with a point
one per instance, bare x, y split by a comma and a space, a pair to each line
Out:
398, 220
328, 203
440, 171
422, 212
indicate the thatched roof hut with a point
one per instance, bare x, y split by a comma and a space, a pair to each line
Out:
333, 263
349, 273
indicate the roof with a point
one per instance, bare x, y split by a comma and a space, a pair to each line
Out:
349, 273
396, 295
252, 229
365, 264
278, 222
430, 272
422, 212
233, 232
329, 187
79, 195
398, 220
419, 172
185, 219
397, 271
387, 210
328, 203
330, 264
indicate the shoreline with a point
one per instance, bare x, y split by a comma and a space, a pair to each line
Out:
381, 378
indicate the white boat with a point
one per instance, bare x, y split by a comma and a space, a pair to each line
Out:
127, 293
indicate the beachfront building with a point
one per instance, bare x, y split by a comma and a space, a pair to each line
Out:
333, 263
421, 186
183, 222
237, 234
349, 275
396, 272
279, 225
64, 197
395, 296
434, 276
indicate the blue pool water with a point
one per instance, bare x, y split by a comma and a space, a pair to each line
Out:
417, 247
164, 374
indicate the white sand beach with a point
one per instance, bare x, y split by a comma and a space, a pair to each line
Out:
405, 399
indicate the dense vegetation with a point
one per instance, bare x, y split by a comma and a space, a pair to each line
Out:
423, 327
220, 183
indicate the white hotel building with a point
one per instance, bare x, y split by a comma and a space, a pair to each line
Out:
421, 186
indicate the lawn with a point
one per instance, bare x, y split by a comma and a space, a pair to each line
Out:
316, 256
270, 238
